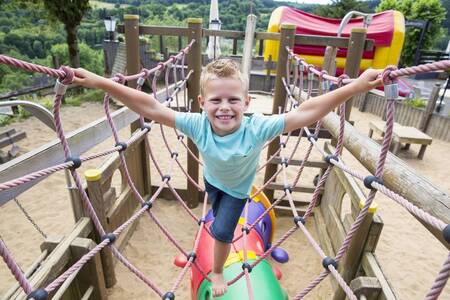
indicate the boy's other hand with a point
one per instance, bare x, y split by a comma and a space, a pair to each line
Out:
368, 80
87, 79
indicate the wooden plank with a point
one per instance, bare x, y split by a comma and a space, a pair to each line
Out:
28, 273
92, 272
372, 268
14, 137
7, 132
158, 30
298, 162
58, 258
271, 36
369, 287
298, 188
88, 293
333, 41
231, 34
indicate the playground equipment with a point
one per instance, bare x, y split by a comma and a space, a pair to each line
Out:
336, 234
387, 29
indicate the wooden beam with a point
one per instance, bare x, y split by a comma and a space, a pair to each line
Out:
339, 42
372, 268
298, 162
50, 154
298, 188
15, 137
230, 34
58, 258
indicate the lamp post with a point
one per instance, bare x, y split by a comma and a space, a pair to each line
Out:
213, 47
110, 24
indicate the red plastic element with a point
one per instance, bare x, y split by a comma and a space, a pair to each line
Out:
277, 272
320, 51
180, 260
381, 29
205, 254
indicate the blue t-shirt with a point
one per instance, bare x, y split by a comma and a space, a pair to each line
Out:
230, 161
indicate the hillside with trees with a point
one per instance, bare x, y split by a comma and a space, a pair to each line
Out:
43, 31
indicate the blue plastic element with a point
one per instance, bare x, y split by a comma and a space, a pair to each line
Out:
280, 255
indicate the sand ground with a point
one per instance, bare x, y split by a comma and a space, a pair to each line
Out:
409, 255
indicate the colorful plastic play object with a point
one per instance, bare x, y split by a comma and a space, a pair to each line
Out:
387, 29
280, 255
264, 277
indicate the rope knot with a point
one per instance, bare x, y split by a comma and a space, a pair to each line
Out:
386, 75
173, 58
161, 66
340, 79
119, 78
68, 77
146, 72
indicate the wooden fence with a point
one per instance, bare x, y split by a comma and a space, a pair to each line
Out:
374, 102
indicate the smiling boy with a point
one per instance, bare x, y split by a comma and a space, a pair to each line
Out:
229, 142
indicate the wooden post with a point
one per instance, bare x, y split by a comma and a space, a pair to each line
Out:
248, 45
261, 47
93, 177
269, 66
430, 107
353, 60
287, 38
194, 59
329, 60
131, 23
352, 259
234, 46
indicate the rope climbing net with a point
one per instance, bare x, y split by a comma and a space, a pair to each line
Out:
373, 182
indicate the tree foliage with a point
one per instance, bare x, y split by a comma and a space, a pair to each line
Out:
426, 10
339, 8
70, 13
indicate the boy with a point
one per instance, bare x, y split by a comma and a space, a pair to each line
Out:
230, 143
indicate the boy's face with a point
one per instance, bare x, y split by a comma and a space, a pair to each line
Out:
224, 103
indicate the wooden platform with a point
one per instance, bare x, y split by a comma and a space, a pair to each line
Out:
403, 134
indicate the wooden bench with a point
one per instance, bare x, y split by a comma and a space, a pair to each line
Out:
402, 134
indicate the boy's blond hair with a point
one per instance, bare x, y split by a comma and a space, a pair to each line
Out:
222, 68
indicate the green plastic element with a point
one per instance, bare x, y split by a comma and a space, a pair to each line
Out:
264, 284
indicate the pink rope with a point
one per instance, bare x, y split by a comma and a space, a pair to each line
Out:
14, 268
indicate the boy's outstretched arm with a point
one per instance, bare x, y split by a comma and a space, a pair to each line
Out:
316, 108
137, 101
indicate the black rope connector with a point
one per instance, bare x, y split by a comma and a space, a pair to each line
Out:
287, 187
330, 157
333, 86
180, 137
146, 126
167, 176
311, 136
39, 294
282, 144
295, 105
247, 266
284, 162
329, 261
299, 219
245, 229
123, 146
110, 236
200, 221
76, 162
168, 296
170, 99
148, 204
192, 255
369, 179
446, 233
174, 154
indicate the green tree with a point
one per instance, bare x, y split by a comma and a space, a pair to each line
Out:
70, 13
91, 59
426, 10
339, 8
